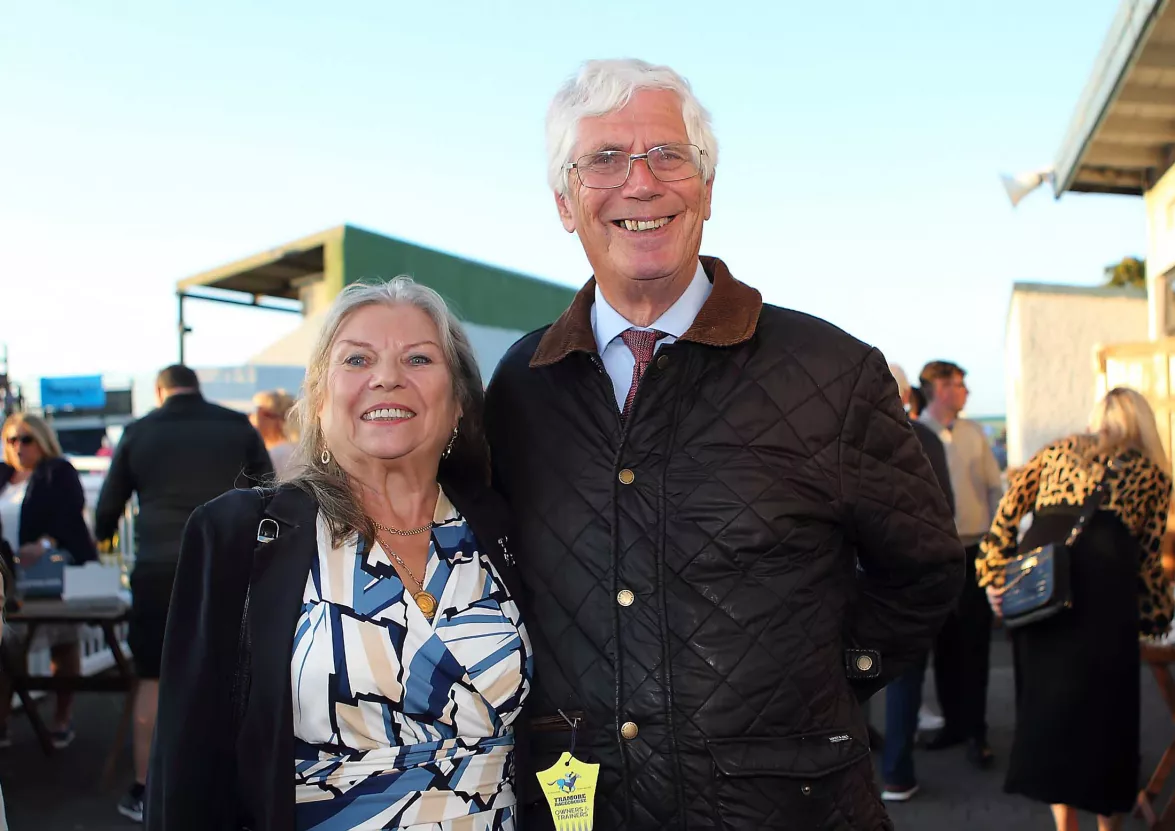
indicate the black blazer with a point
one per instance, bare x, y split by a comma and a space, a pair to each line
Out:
53, 505
204, 775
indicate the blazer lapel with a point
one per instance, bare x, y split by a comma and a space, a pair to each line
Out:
279, 575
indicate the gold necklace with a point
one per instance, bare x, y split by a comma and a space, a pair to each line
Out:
411, 532
424, 601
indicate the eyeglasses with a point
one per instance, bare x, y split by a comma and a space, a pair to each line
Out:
611, 168
22, 440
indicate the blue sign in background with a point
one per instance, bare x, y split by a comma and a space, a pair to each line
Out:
82, 392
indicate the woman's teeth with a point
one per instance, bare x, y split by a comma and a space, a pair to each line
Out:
387, 414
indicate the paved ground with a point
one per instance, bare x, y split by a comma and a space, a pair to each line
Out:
63, 793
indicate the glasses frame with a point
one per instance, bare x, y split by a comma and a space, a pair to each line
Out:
633, 157
25, 440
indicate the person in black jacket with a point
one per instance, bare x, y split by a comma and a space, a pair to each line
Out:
348, 651
903, 696
41, 509
176, 458
729, 532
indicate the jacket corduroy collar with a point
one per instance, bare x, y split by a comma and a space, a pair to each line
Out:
727, 318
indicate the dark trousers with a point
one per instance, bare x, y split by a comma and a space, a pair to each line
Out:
962, 656
903, 699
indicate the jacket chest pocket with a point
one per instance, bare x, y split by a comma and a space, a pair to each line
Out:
795, 782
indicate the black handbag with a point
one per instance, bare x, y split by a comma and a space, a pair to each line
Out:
1037, 583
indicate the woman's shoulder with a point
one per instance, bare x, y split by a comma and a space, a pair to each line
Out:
1077, 443
1145, 468
57, 466
241, 504
1067, 452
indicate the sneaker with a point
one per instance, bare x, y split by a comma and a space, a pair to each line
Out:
894, 793
131, 804
928, 722
62, 739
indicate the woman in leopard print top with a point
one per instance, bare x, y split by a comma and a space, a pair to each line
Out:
1077, 673
1065, 473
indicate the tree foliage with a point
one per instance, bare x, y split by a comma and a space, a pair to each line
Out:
1130, 271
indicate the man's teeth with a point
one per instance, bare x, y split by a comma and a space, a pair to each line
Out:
377, 415
645, 225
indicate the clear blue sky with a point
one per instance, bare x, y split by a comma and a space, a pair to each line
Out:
861, 144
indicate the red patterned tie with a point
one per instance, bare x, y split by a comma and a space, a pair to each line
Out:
641, 342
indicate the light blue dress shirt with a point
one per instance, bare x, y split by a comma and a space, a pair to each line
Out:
607, 324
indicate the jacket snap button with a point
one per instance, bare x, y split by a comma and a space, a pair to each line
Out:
627, 477
864, 663
662, 361
625, 598
629, 730
806, 790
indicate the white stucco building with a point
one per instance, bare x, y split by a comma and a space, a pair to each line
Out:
1053, 338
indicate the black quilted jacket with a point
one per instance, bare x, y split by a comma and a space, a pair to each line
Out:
696, 575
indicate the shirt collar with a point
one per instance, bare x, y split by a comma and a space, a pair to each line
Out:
944, 432
607, 323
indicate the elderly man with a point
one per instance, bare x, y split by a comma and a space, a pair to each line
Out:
728, 530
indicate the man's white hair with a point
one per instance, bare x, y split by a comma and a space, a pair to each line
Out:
899, 375
602, 87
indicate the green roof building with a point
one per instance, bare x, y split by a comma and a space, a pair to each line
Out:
304, 276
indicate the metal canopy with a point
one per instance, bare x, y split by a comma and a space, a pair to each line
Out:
280, 272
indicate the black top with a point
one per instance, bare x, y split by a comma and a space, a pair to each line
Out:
52, 507
176, 458
936, 453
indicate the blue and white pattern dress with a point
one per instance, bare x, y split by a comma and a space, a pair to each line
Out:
400, 722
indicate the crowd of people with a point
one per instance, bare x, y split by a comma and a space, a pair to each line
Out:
645, 580
1077, 676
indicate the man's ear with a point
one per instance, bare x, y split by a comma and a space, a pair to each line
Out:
566, 215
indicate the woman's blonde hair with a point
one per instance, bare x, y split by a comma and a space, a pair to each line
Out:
45, 436
278, 403
1123, 421
326, 481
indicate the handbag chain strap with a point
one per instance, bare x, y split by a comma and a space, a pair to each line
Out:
1093, 502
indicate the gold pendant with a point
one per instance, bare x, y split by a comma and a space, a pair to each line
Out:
427, 603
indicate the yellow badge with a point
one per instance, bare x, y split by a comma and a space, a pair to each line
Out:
570, 788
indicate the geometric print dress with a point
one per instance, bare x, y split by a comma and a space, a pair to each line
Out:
400, 722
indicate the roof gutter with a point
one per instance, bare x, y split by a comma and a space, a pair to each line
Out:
1129, 31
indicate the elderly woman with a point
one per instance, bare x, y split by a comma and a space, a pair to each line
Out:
1077, 708
346, 651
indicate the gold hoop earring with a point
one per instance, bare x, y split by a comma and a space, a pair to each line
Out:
449, 447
